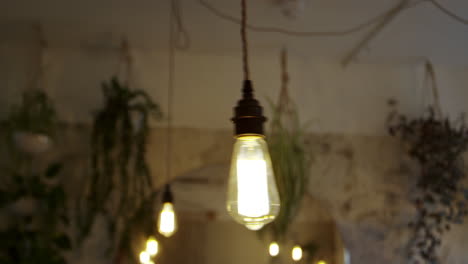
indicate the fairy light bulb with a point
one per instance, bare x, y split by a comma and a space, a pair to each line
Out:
253, 198
152, 246
274, 249
145, 257
167, 222
296, 253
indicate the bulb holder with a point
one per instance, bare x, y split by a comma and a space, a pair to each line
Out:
248, 114
167, 195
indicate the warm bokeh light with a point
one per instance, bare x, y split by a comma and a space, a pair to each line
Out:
274, 249
167, 224
145, 258
253, 198
321, 262
296, 253
152, 246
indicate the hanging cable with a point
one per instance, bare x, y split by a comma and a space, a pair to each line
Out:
182, 37
430, 76
170, 87
245, 51
278, 30
37, 80
125, 61
448, 12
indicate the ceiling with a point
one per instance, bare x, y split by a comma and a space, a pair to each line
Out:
422, 31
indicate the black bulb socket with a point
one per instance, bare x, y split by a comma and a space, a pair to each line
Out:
167, 195
248, 114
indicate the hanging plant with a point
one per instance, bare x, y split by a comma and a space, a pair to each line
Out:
35, 114
31, 124
35, 217
120, 177
289, 157
437, 145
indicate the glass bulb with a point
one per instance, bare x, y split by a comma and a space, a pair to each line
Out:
152, 246
145, 257
296, 253
253, 198
274, 249
167, 224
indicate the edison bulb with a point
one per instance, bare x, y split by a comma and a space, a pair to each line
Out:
145, 257
274, 249
253, 198
152, 246
167, 224
296, 253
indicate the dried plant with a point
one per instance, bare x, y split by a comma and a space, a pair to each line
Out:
438, 146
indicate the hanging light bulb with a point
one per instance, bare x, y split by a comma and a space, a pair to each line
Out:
252, 198
167, 222
152, 246
274, 249
296, 253
145, 257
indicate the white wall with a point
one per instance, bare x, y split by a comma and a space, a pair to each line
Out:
333, 99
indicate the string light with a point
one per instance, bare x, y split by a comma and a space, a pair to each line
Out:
145, 257
152, 246
283, 31
274, 249
296, 253
167, 221
252, 197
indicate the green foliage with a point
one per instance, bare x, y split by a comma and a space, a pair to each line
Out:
35, 235
35, 114
437, 145
290, 164
119, 155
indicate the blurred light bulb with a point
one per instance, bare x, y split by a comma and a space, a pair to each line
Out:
145, 257
152, 246
296, 253
274, 249
321, 262
167, 224
253, 198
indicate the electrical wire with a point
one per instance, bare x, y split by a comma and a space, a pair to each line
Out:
182, 37
170, 86
431, 77
37, 79
448, 12
284, 31
126, 61
245, 51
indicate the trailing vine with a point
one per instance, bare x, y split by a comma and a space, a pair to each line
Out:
120, 178
437, 145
